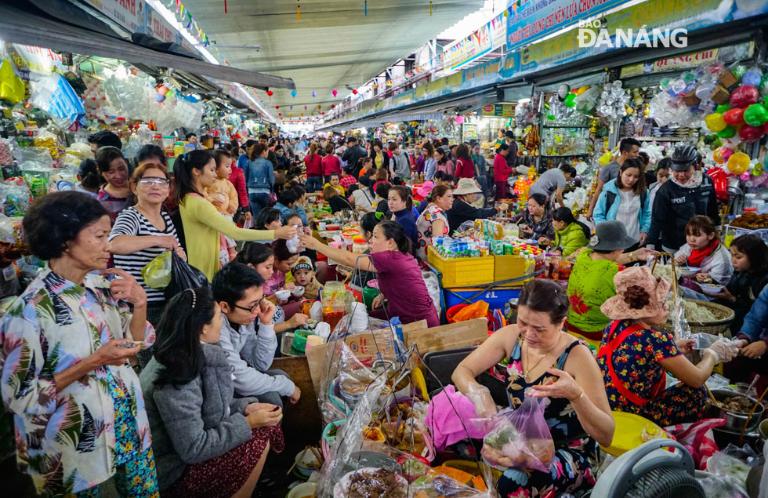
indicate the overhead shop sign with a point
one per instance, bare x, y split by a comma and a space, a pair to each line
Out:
138, 17
500, 110
690, 60
486, 38
530, 20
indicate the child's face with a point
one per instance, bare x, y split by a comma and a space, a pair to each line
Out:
267, 268
334, 180
662, 175
699, 241
225, 168
739, 259
303, 277
295, 221
274, 225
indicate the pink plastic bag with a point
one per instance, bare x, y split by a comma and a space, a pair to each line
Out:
520, 438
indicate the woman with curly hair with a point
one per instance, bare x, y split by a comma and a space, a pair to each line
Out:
635, 355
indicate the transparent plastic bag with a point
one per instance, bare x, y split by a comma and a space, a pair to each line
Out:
721, 487
157, 273
733, 464
520, 438
764, 479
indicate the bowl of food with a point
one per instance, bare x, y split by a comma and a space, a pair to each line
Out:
741, 412
303, 490
283, 296
711, 289
371, 481
688, 271
298, 291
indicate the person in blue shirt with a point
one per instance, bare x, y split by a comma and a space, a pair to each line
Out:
400, 205
753, 338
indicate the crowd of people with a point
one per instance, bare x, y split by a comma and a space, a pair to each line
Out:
201, 410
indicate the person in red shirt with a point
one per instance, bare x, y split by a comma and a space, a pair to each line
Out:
465, 168
501, 171
331, 163
237, 177
314, 166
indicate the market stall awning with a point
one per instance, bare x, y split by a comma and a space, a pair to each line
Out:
19, 26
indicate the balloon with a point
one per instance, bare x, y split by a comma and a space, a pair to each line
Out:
727, 132
580, 90
354, 91
739, 71
605, 159
717, 155
744, 96
334, 92
756, 115
270, 93
720, 182
294, 93
750, 133
752, 77
734, 117
159, 97
570, 100
738, 163
722, 108
758, 169
715, 122
551, 117
563, 91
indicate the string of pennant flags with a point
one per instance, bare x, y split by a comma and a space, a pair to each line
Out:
186, 18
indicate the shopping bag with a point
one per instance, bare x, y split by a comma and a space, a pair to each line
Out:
157, 273
520, 438
183, 277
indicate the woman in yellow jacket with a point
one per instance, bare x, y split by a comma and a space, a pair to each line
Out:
193, 172
570, 235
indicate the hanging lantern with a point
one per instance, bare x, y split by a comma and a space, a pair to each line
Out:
270, 92
334, 92
354, 91
294, 93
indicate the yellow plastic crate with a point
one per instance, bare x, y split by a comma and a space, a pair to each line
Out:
462, 272
511, 266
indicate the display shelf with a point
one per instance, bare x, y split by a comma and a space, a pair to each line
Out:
662, 139
566, 155
565, 126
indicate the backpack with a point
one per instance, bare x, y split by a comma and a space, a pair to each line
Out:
611, 196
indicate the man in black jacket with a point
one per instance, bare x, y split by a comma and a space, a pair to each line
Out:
688, 193
463, 210
352, 156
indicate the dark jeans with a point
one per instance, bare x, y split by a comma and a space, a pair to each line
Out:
258, 202
314, 183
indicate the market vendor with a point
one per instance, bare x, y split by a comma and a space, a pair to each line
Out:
194, 171
466, 195
398, 272
433, 222
535, 222
635, 354
570, 234
543, 361
753, 340
591, 280
552, 183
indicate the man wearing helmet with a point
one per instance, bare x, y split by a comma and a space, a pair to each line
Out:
689, 193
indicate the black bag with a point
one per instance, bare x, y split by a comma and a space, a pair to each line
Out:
183, 277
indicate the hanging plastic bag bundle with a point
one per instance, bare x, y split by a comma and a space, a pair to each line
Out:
157, 273
520, 438
183, 277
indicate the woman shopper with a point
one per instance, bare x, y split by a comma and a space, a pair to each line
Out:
465, 168
314, 166
259, 178
145, 230
202, 223
443, 162
591, 280
501, 171
635, 355
430, 163
546, 362
535, 222
89, 179
66, 345
400, 205
115, 194
208, 442
433, 222
626, 199
331, 163
398, 272
380, 158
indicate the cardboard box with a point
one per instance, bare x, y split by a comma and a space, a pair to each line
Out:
446, 337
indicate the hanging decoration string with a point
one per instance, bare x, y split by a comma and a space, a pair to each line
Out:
430, 7
225, 6
365, 7
298, 10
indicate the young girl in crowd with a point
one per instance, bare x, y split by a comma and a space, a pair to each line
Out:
444, 164
268, 219
398, 272
704, 251
625, 199
400, 204
206, 441
749, 257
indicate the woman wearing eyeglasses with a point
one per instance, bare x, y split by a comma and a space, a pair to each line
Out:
144, 231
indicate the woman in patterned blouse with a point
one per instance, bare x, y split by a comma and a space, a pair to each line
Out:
66, 344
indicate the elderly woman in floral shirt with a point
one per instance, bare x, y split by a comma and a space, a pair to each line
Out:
66, 344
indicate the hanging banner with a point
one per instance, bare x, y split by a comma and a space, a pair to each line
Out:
477, 44
127, 13
527, 21
499, 110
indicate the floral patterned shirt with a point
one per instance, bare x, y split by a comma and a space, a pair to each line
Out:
636, 363
65, 439
424, 227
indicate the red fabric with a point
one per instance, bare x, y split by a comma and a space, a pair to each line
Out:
465, 168
698, 255
331, 165
347, 181
500, 169
226, 474
697, 438
314, 165
237, 177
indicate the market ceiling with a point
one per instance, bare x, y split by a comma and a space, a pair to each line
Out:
331, 45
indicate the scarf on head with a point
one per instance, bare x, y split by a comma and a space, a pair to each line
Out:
697, 255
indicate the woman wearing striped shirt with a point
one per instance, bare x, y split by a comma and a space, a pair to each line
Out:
144, 231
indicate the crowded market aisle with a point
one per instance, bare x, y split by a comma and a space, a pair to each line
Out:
518, 300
